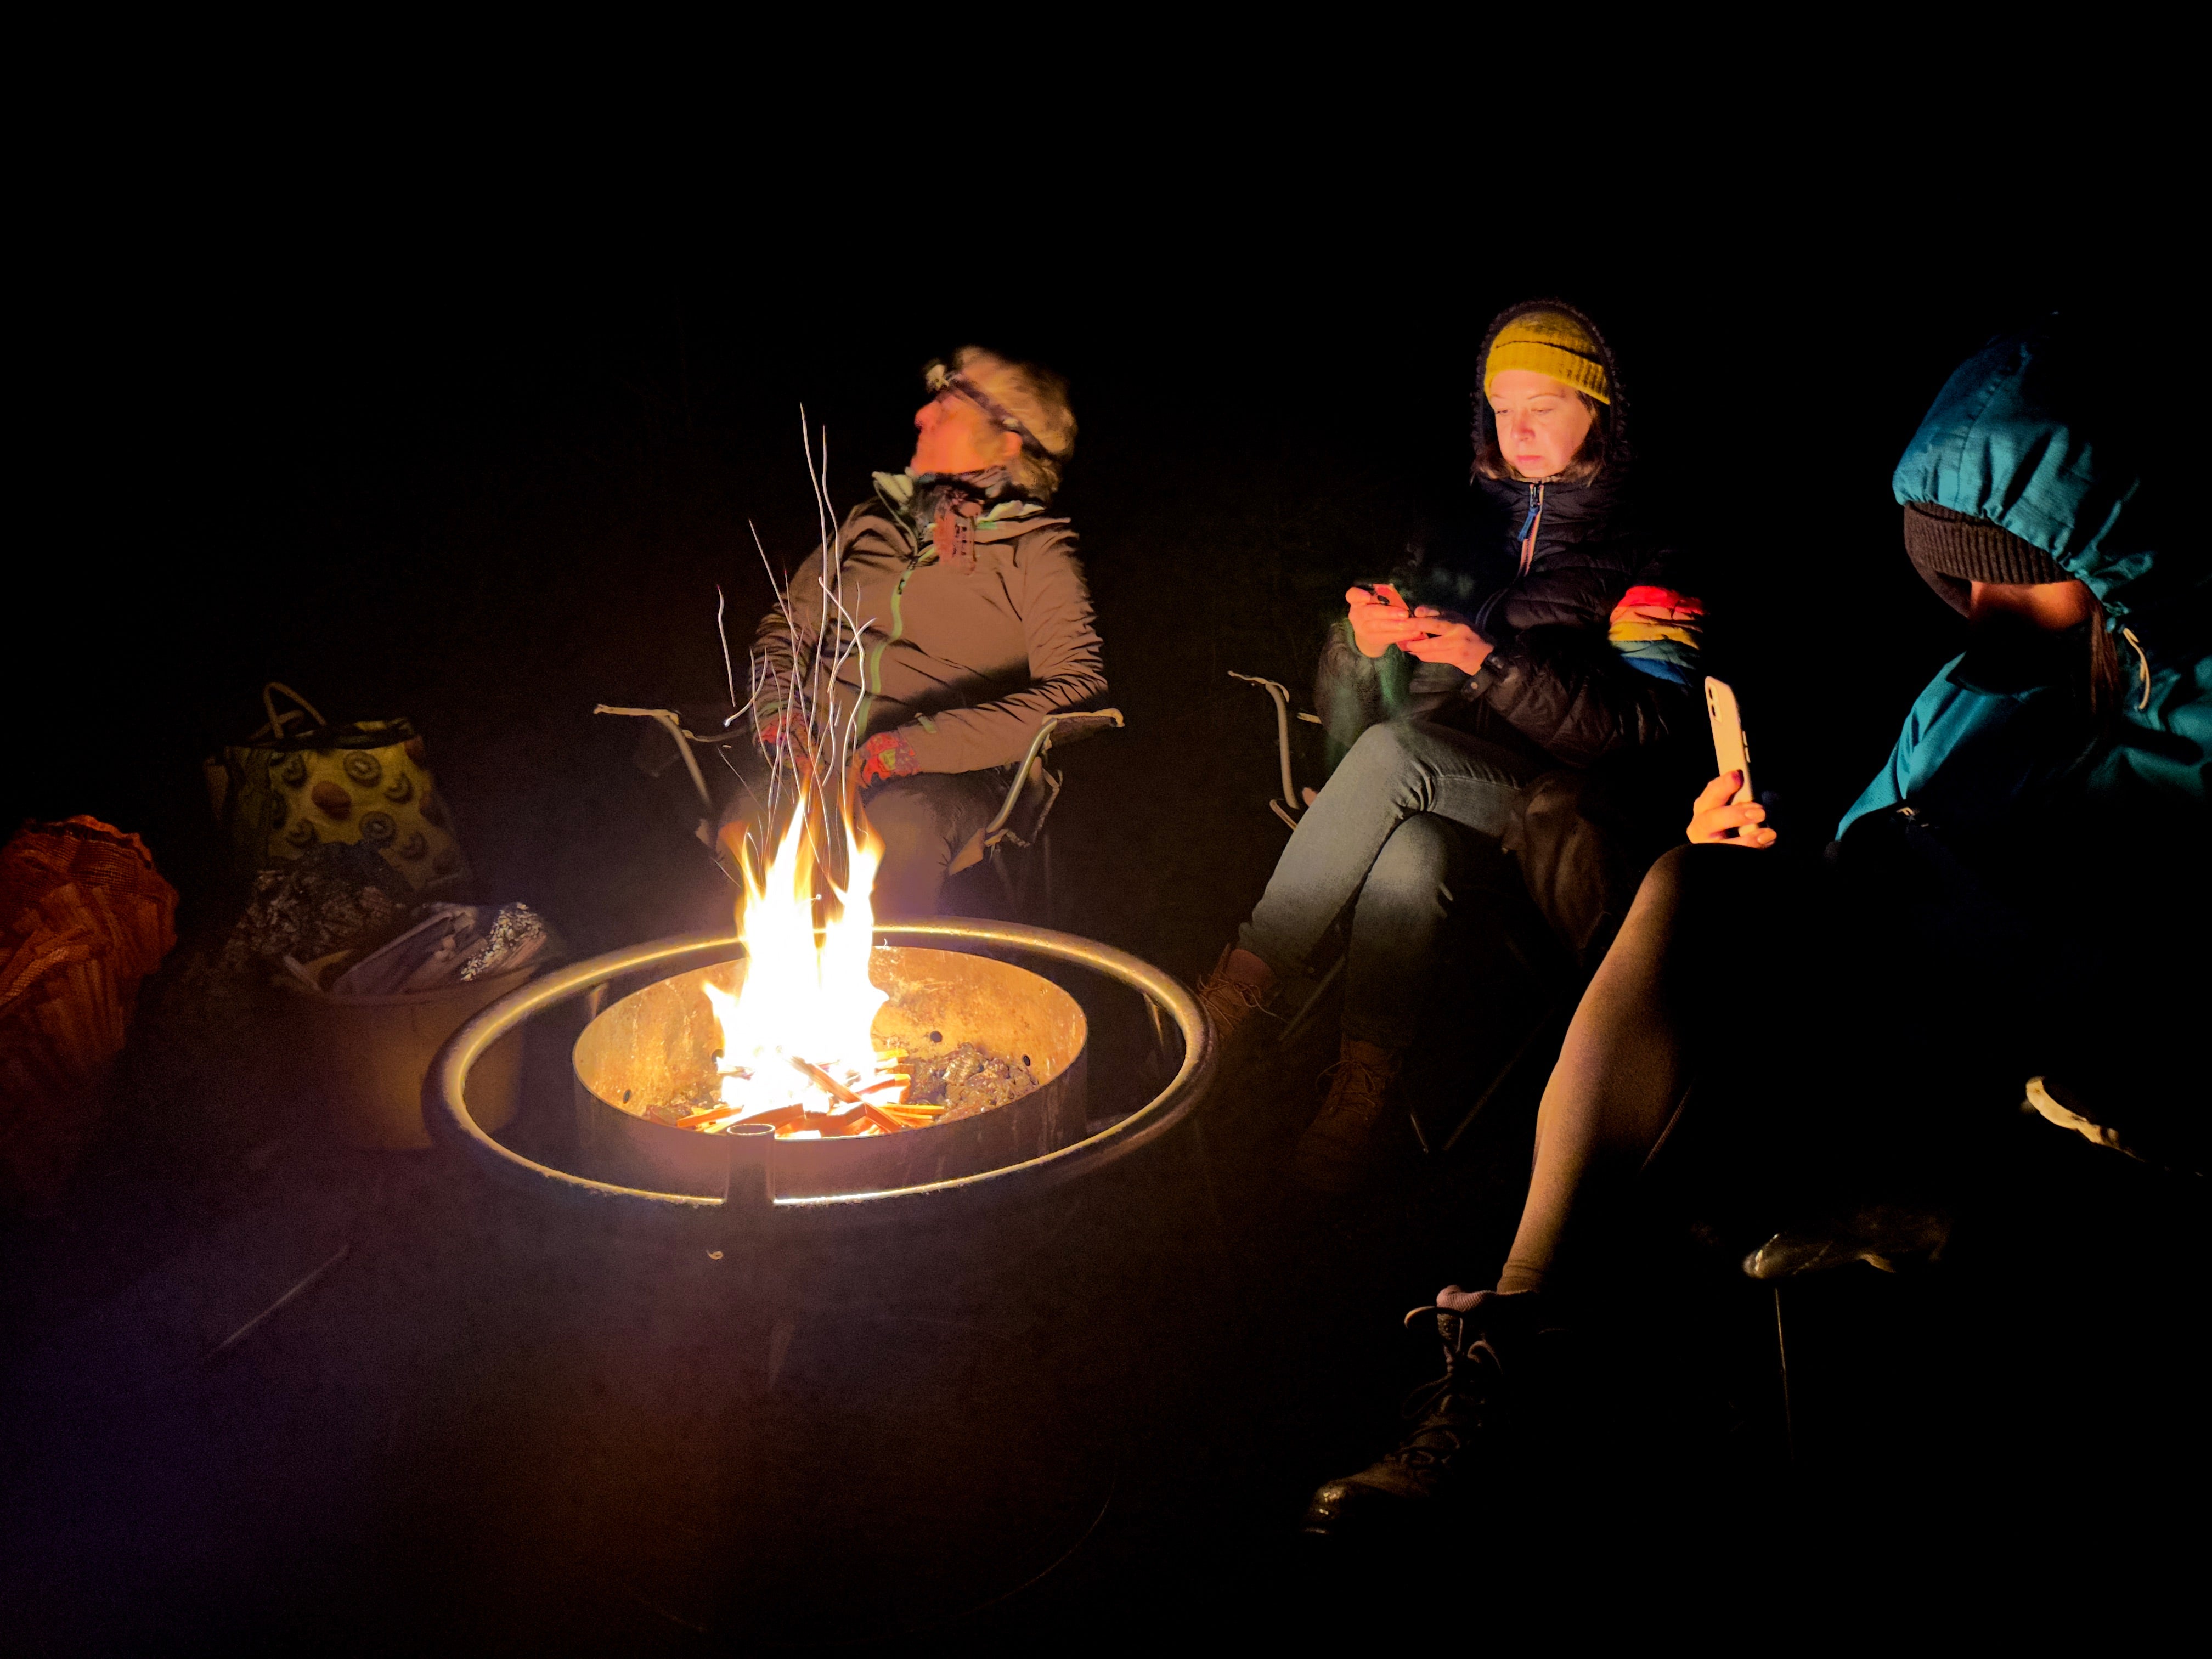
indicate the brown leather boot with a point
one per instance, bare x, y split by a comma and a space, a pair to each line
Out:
1239, 987
1353, 1138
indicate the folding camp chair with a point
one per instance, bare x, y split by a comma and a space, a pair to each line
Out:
1290, 809
1019, 825
1024, 817
687, 746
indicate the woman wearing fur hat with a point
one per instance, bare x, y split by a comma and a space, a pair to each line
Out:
1568, 644
946, 620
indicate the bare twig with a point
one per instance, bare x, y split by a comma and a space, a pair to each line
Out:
729, 672
298, 1289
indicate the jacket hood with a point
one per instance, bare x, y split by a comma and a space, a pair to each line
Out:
2042, 433
2032, 434
1597, 494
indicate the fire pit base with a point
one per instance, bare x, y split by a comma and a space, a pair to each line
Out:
797, 1521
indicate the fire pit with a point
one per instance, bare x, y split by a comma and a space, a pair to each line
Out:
1032, 1144
819, 1068
992, 1053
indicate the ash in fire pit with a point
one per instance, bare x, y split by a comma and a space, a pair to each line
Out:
966, 1080
700, 1099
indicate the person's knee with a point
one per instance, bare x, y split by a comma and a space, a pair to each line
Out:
910, 817
1692, 896
923, 822
1659, 895
1663, 882
932, 817
1418, 858
1703, 875
1385, 751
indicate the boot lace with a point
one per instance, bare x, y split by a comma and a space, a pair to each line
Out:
1355, 1089
1448, 1412
1228, 1003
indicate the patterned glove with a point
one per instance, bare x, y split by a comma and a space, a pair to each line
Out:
882, 757
777, 728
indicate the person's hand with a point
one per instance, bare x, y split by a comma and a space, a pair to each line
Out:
1380, 619
1444, 638
1713, 819
778, 728
881, 758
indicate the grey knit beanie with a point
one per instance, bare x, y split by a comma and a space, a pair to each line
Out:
1951, 549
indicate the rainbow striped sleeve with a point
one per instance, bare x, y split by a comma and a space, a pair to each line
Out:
1657, 630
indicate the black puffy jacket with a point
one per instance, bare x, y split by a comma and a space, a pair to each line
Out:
1596, 633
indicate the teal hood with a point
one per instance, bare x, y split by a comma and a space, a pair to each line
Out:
2034, 434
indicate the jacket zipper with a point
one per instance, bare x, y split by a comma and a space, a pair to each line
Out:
872, 683
1531, 525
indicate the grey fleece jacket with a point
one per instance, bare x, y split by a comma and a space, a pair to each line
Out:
963, 666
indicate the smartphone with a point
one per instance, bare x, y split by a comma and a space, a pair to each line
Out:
1384, 594
1731, 749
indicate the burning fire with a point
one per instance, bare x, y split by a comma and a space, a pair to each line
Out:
798, 1049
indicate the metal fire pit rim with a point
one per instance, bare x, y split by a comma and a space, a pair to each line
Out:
449, 1122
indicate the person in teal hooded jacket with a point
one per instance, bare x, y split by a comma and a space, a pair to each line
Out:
2002, 902
2024, 473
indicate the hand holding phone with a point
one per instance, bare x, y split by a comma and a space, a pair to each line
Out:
1380, 619
1448, 639
1731, 749
1726, 812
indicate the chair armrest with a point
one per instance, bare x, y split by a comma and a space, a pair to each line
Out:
1288, 809
1053, 728
666, 719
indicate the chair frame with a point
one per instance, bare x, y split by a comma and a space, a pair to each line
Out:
992, 840
1290, 808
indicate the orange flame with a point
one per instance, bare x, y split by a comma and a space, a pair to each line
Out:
799, 1030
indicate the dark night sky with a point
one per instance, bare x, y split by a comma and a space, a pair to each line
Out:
471, 465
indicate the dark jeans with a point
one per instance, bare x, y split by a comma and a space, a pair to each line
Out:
924, 821
1406, 831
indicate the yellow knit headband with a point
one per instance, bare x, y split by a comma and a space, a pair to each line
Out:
1549, 342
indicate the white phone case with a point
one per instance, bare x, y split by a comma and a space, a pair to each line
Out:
1731, 749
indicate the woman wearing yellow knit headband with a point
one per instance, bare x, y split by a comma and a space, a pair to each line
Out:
1486, 706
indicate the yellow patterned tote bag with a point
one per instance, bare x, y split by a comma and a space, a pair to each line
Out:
300, 782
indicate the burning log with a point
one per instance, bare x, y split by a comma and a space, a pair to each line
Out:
822, 1080
988, 1058
712, 1117
966, 1080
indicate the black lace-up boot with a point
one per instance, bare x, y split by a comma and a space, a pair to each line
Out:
1477, 1417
